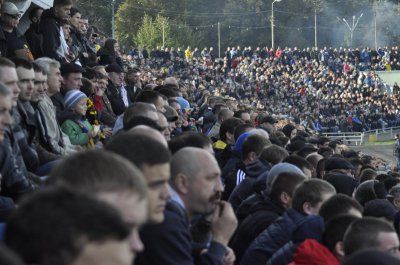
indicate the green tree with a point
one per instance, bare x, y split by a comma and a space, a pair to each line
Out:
164, 33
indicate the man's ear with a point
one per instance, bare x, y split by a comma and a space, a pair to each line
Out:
307, 208
230, 136
339, 249
396, 203
285, 199
252, 156
181, 183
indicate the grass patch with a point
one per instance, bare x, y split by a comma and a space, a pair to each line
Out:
388, 142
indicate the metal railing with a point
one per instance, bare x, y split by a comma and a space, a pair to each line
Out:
349, 138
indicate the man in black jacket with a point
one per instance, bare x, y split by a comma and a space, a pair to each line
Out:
266, 211
114, 91
51, 29
32, 35
196, 190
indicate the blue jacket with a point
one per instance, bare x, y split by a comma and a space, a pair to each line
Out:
311, 228
274, 237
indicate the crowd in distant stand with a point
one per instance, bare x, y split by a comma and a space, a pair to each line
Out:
179, 157
328, 90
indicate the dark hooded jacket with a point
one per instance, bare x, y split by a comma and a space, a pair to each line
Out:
273, 238
245, 188
311, 228
50, 27
261, 215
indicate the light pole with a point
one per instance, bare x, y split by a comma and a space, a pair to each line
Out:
112, 19
273, 23
352, 27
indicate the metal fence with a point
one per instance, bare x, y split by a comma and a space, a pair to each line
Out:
349, 138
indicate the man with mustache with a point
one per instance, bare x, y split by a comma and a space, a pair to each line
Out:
196, 190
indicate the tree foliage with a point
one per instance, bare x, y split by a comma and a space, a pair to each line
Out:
248, 22
160, 32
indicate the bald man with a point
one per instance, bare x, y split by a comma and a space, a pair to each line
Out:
196, 189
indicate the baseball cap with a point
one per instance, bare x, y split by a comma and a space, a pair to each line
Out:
10, 9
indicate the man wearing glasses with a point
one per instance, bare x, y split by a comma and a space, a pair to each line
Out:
15, 41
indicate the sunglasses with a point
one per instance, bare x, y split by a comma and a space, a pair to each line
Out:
17, 16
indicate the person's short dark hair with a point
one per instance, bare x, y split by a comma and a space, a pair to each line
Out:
90, 73
382, 177
62, 3
133, 70
338, 204
333, 144
313, 159
52, 226
139, 149
370, 190
337, 163
390, 183
371, 257
363, 234
139, 120
287, 129
188, 139
87, 87
33, 11
166, 91
229, 125
350, 154
299, 138
285, 182
137, 109
74, 11
80, 173
172, 101
21, 62
284, 140
306, 150
254, 143
368, 174
148, 96
311, 191
223, 114
323, 140
241, 129
238, 113
274, 154
299, 162
335, 229
217, 108
325, 151
380, 208
294, 146
68, 68
9, 257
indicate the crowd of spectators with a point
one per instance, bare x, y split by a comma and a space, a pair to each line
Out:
328, 90
178, 157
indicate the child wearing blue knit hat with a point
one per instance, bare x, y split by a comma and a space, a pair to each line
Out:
74, 123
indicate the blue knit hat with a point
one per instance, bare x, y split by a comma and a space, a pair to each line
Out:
240, 141
72, 97
185, 106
